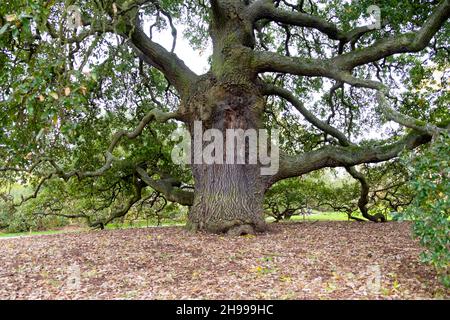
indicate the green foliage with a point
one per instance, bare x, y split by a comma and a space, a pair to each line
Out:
26, 220
286, 198
64, 100
430, 171
335, 190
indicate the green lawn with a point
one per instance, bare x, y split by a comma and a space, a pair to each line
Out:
323, 216
318, 216
143, 224
36, 233
112, 226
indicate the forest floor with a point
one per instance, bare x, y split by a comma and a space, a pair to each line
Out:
303, 260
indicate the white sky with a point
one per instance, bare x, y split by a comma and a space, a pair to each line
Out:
197, 61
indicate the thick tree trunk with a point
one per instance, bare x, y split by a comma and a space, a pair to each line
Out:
228, 195
228, 199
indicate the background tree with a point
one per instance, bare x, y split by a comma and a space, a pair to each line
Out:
291, 197
314, 69
375, 193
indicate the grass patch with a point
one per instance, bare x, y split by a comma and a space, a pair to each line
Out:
34, 233
323, 216
111, 226
143, 224
316, 216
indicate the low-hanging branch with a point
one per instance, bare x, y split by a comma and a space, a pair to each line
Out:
351, 155
137, 195
364, 196
167, 188
153, 115
36, 191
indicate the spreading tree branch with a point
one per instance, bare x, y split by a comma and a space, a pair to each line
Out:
364, 196
173, 68
338, 156
153, 115
404, 43
309, 116
338, 67
137, 195
265, 9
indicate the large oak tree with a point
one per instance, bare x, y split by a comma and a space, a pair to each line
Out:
95, 104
